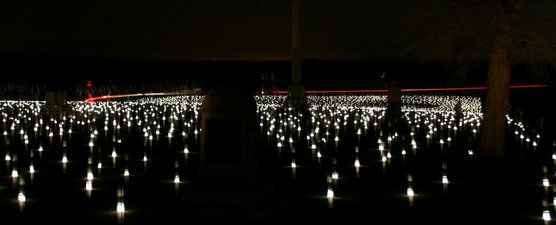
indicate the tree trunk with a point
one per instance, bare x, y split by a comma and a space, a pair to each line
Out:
498, 85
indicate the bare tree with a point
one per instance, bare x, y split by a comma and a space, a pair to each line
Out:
500, 32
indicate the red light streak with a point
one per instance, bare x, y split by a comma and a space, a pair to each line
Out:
105, 97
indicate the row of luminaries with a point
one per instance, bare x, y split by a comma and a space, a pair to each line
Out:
346, 137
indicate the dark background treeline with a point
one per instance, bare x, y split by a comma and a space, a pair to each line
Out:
29, 77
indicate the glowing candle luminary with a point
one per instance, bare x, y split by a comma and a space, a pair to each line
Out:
89, 187
90, 175
445, 181
293, 166
546, 215
120, 210
64, 162
126, 175
21, 199
335, 176
410, 195
330, 197
357, 165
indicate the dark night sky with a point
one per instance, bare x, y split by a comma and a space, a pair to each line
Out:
200, 29
211, 29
